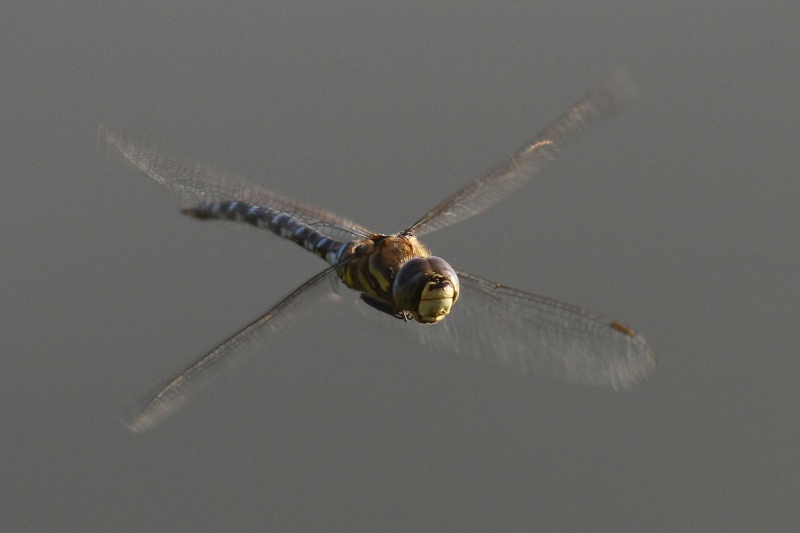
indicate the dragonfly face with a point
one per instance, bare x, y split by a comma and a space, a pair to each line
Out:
426, 287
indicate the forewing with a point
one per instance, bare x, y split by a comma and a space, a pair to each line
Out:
322, 288
194, 182
603, 102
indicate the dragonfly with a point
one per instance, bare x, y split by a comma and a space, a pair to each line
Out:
394, 278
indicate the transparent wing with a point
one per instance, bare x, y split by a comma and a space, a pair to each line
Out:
603, 102
193, 182
531, 334
322, 288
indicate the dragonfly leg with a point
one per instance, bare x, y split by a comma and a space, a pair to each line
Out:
384, 307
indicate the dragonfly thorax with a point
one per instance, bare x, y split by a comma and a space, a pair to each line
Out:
426, 287
398, 276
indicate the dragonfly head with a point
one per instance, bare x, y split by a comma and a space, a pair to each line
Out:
426, 287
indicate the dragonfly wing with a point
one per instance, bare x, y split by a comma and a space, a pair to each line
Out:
531, 334
602, 102
194, 182
322, 288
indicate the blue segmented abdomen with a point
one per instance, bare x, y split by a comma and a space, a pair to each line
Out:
277, 222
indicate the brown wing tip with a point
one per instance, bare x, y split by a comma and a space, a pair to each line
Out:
622, 328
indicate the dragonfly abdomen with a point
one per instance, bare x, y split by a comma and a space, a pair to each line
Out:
277, 222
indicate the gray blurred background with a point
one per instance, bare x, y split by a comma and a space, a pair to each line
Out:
679, 218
